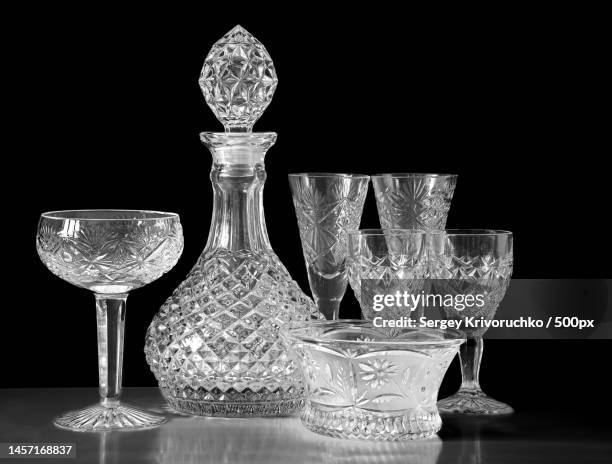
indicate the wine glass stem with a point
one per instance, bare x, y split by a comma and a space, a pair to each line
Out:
330, 308
110, 312
470, 354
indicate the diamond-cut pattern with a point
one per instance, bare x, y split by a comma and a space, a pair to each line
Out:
238, 79
478, 263
472, 275
229, 344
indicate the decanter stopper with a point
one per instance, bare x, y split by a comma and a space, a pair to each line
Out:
238, 80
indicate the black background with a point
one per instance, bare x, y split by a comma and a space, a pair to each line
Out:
105, 112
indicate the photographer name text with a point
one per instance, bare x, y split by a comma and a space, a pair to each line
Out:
473, 322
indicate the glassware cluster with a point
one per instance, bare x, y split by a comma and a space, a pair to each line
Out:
449, 262
238, 337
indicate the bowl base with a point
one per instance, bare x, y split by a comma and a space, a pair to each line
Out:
356, 423
284, 407
474, 402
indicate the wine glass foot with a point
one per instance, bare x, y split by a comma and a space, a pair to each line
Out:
473, 402
105, 418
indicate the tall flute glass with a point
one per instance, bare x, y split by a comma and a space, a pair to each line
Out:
109, 252
327, 206
413, 201
478, 263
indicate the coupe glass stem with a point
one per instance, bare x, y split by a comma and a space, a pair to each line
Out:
110, 312
470, 354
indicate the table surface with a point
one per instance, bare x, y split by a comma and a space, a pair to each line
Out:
26, 415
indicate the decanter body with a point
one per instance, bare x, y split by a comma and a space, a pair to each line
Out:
214, 346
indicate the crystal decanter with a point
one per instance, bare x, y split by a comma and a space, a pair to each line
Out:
214, 346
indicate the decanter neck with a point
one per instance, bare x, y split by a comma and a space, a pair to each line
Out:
238, 175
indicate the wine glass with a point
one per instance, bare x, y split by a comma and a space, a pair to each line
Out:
109, 252
328, 206
478, 263
387, 261
414, 201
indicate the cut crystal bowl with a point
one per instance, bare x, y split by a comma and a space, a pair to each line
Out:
363, 382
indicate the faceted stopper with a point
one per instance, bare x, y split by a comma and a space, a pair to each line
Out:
238, 80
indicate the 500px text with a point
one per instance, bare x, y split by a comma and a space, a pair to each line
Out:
472, 322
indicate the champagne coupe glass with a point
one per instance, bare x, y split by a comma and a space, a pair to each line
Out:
479, 263
327, 206
109, 252
413, 201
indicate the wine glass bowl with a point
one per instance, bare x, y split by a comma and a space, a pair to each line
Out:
109, 252
387, 261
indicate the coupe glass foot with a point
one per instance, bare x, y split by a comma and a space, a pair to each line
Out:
104, 418
472, 402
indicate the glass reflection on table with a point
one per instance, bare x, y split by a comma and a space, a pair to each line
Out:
186, 440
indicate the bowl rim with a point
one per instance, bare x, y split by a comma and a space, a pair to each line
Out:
150, 215
475, 232
457, 337
323, 174
438, 232
414, 175
392, 232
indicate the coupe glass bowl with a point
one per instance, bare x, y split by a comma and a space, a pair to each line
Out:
364, 382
